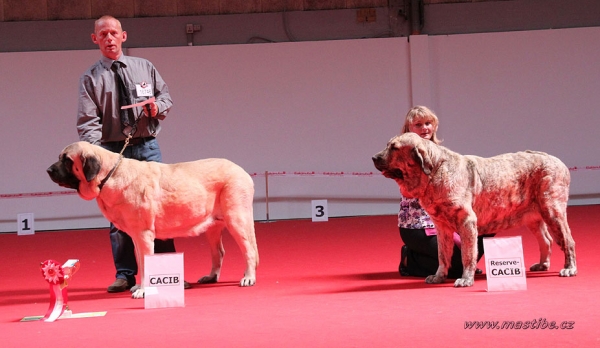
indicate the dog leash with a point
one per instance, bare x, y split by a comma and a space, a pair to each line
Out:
145, 104
101, 185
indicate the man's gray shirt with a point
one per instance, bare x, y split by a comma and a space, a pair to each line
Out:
98, 115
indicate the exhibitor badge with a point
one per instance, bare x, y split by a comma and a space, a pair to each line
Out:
144, 89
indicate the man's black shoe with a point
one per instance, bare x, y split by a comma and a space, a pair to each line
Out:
119, 285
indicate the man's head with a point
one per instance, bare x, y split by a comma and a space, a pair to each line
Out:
109, 36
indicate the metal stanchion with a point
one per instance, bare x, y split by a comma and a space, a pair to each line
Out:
267, 193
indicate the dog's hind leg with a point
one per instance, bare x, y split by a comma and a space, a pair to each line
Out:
540, 231
217, 252
236, 203
553, 208
242, 230
556, 219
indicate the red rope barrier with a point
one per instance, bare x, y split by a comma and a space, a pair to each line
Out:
271, 174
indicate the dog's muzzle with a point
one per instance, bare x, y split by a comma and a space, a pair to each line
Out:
60, 176
379, 163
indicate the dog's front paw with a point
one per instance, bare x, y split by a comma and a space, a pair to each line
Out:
139, 293
539, 267
435, 279
463, 282
209, 279
248, 281
568, 272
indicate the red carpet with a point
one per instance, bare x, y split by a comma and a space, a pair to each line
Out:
325, 284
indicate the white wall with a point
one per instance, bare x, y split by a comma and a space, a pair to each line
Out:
318, 106
537, 90
312, 106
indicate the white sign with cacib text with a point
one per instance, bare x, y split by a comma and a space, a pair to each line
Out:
504, 263
163, 280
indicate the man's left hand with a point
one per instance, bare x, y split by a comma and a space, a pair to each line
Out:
151, 110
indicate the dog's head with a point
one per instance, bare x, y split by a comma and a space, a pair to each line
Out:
406, 159
77, 168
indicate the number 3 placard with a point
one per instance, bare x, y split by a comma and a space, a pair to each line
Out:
319, 210
25, 224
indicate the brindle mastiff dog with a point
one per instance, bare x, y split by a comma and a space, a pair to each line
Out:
476, 196
149, 200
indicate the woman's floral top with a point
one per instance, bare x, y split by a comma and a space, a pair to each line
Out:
412, 216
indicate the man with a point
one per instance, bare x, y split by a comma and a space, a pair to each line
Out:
114, 81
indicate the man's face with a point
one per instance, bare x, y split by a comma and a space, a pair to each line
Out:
109, 37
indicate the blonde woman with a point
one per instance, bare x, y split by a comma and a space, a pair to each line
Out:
419, 256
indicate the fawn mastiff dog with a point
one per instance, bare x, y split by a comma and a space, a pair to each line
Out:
476, 196
149, 200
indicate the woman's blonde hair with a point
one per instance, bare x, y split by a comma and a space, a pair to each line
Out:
422, 113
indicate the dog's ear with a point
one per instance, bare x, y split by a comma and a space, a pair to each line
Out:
421, 156
91, 166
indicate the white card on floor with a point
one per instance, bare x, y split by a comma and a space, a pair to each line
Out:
163, 280
25, 224
319, 210
504, 264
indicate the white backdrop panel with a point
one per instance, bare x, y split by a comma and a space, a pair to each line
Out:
319, 106
537, 90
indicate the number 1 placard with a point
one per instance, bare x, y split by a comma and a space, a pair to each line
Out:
25, 224
319, 210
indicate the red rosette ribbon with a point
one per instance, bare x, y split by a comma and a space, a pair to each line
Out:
52, 272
